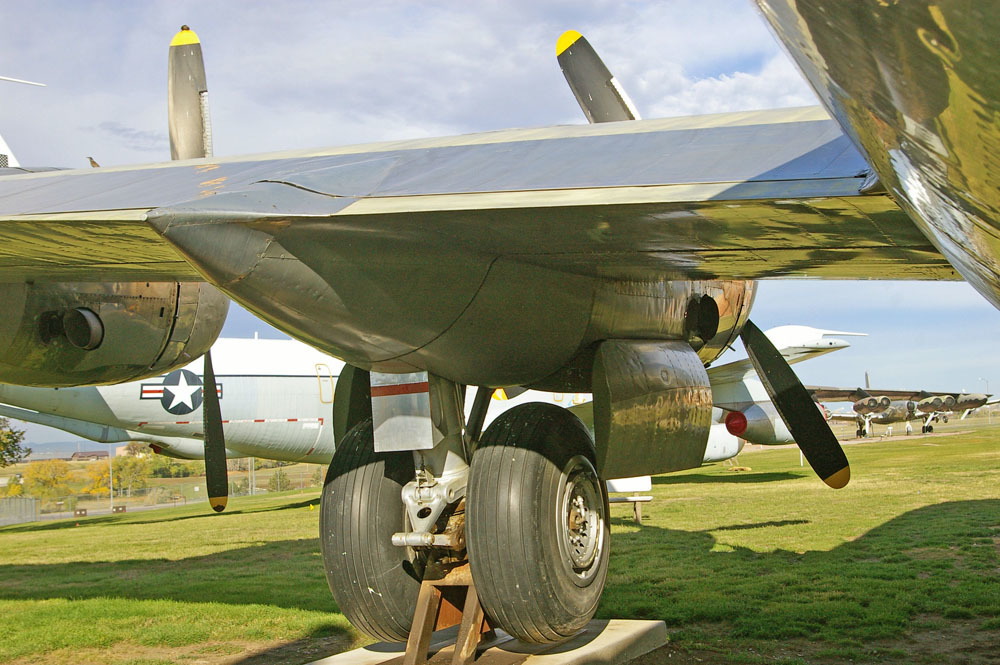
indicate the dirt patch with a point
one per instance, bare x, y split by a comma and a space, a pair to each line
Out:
951, 641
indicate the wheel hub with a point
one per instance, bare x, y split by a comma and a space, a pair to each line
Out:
582, 507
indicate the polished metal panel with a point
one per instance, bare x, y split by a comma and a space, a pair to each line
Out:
652, 408
148, 329
914, 84
401, 412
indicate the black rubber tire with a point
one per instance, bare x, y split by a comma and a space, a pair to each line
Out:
374, 582
523, 573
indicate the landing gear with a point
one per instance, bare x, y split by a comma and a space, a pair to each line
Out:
535, 522
537, 533
374, 582
926, 429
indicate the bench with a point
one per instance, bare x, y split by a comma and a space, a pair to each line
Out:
632, 486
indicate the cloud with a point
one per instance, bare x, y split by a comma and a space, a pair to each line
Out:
136, 139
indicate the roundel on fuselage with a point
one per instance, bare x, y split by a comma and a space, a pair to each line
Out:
181, 392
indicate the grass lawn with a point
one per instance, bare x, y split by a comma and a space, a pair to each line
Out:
765, 566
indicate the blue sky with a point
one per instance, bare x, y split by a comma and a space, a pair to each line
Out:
305, 74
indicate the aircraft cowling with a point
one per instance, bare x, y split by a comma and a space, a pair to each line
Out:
936, 403
970, 400
62, 334
866, 405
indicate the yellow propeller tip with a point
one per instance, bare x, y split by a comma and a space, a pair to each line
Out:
184, 37
566, 40
218, 503
839, 479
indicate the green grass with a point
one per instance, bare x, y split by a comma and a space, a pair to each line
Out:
751, 567
749, 563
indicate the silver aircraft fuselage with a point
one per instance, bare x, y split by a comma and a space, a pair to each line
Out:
915, 86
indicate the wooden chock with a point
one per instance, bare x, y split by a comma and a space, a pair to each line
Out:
447, 597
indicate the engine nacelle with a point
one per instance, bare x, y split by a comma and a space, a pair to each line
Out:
936, 403
870, 404
970, 401
865, 405
60, 334
758, 424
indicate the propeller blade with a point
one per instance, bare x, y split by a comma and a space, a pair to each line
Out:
187, 98
216, 475
796, 407
595, 89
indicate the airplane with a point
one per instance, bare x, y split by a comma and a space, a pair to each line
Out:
885, 407
617, 258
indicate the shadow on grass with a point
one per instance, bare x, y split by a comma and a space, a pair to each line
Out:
287, 574
319, 644
758, 525
741, 477
927, 569
155, 518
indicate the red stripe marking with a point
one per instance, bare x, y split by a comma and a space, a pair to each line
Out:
183, 422
260, 420
293, 420
224, 422
400, 389
141, 424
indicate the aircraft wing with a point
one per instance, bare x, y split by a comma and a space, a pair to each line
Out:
831, 394
730, 196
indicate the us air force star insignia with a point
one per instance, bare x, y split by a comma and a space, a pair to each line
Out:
181, 392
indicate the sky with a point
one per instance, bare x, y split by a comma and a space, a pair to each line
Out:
308, 74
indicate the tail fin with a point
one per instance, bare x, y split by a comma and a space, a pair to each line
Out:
7, 158
868, 383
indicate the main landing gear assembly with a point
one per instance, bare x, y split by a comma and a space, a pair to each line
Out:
522, 503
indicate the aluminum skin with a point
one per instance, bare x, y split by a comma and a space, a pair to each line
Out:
914, 86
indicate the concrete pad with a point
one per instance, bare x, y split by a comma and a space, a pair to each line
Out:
602, 642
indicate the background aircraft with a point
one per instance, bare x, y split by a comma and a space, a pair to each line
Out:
276, 398
885, 407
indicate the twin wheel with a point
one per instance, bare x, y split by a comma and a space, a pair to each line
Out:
537, 532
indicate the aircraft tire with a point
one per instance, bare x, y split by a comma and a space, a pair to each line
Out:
537, 527
374, 582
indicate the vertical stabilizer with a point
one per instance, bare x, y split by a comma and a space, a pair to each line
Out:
6, 156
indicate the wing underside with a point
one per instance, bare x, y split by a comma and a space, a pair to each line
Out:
742, 196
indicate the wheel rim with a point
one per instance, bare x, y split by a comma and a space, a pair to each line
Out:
581, 518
